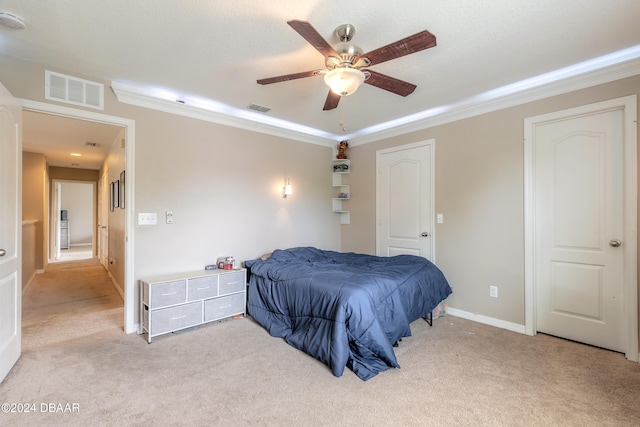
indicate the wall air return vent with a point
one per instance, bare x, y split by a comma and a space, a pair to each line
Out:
72, 90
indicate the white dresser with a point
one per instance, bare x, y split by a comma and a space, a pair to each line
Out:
178, 301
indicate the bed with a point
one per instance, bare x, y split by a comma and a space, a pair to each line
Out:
344, 309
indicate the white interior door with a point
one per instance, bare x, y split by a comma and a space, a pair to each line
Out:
579, 229
405, 200
10, 231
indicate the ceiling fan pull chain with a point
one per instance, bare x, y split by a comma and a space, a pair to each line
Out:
343, 109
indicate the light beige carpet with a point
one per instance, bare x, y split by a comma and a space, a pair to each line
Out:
232, 373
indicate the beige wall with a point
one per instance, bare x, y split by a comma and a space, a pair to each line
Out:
28, 252
113, 165
34, 203
480, 191
73, 174
224, 187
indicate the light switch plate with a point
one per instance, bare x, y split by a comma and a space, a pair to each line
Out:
440, 218
169, 217
147, 218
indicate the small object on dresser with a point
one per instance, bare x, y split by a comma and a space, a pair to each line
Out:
229, 263
211, 267
221, 261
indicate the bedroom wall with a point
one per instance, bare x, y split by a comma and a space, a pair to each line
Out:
223, 184
479, 183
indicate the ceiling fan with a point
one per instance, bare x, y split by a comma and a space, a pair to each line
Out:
345, 65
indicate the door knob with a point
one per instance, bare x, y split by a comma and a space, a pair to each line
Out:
3, 252
424, 234
615, 243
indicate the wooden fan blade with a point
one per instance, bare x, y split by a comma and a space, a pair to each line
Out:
332, 101
390, 84
313, 37
288, 77
415, 43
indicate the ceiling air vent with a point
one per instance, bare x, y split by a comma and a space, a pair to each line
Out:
72, 90
259, 108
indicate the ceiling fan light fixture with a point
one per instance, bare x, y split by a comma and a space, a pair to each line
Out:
344, 81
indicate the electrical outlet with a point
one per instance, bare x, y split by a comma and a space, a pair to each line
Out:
169, 217
493, 291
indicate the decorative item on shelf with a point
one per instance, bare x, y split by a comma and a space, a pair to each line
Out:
342, 150
341, 167
343, 195
286, 190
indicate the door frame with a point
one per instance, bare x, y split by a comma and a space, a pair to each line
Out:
130, 322
628, 105
431, 143
54, 212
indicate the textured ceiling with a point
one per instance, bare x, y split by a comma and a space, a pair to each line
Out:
216, 50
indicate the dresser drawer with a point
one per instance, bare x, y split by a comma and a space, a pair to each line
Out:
203, 287
174, 318
232, 282
219, 308
167, 293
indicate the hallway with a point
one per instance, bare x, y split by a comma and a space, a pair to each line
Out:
69, 300
75, 253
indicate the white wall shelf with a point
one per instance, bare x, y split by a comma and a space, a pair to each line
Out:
342, 191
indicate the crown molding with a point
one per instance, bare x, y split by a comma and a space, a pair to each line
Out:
498, 99
233, 117
604, 69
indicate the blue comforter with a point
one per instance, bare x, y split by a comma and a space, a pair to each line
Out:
345, 309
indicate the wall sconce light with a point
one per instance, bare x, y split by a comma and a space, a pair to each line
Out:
286, 190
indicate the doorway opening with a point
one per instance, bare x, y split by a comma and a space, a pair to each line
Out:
127, 215
73, 220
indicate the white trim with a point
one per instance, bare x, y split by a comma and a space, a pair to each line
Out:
607, 68
540, 87
514, 327
628, 105
130, 324
233, 117
431, 143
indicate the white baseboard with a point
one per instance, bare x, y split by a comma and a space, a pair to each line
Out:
115, 283
137, 329
514, 327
